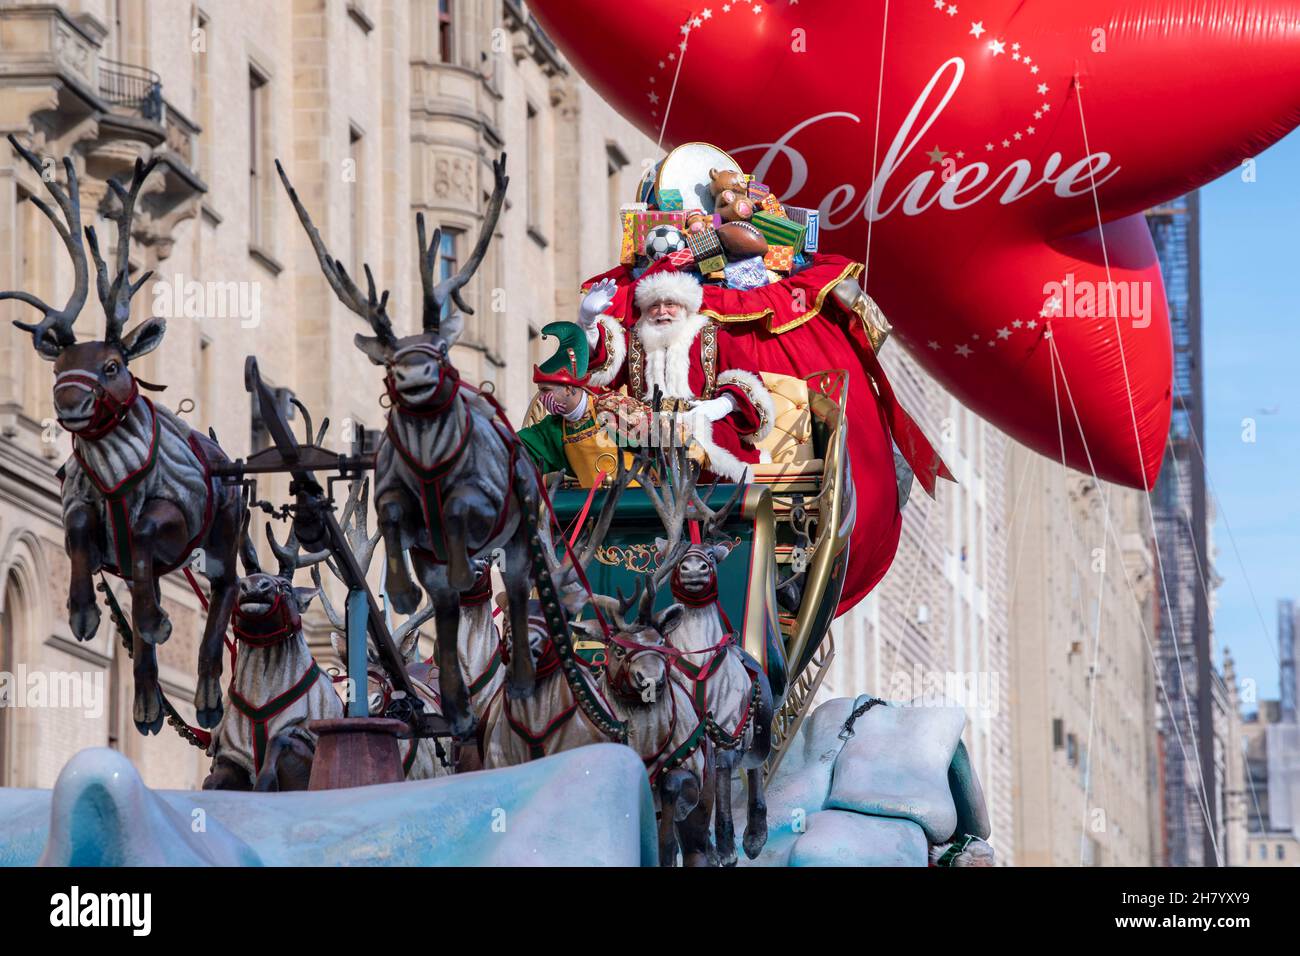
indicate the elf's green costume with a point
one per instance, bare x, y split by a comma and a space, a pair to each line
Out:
575, 444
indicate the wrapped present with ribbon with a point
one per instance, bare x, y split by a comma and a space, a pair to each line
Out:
706, 244
681, 259
779, 258
778, 230
628, 247
810, 219
773, 205
759, 191
748, 273
644, 221
670, 200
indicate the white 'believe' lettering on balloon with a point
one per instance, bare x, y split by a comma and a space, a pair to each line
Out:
954, 193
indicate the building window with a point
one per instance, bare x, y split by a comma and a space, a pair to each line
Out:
10, 621
615, 162
258, 148
356, 208
448, 261
533, 144
202, 92
446, 44
1281, 851
1058, 733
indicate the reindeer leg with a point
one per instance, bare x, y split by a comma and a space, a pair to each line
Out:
157, 537
226, 775
451, 682
223, 546
287, 765
669, 793
82, 528
522, 676
392, 509
694, 829
755, 814
146, 712
456, 511
724, 826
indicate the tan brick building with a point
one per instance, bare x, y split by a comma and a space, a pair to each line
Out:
1082, 690
377, 110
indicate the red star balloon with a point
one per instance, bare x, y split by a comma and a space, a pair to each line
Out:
989, 160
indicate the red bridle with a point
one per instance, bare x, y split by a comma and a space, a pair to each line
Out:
108, 412
282, 616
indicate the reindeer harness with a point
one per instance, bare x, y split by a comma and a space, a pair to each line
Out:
108, 415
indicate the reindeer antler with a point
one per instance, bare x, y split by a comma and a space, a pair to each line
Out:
372, 308
54, 332
675, 501
116, 298
435, 297
290, 554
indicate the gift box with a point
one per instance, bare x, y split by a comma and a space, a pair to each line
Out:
778, 230
681, 259
705, 245
713, 264
773, 205
810, 219
628, 247
644, 221
746, 273
634, 207
779, 258
759, 191
670, 200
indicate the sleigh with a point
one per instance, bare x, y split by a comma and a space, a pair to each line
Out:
780, 586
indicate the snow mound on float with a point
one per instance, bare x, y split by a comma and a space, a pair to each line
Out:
900, 782
587, 807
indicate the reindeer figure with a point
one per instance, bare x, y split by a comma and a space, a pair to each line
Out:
730, 690
574, 708
262, 742
138, 496
478, 642
452, 484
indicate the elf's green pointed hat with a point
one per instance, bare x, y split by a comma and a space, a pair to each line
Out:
568, 366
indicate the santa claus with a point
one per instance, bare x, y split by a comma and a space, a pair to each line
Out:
703, 374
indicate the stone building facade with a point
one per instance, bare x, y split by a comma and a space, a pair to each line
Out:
1082, 686
378, 110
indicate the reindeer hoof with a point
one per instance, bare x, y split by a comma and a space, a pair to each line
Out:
84, 620
755, 838
267, 782
147, 712
156, 633
404, 601
207, 702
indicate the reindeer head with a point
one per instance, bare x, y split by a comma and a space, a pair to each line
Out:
92, 387
269, 605
639, 660
419, 367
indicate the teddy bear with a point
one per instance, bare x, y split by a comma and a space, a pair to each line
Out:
730, 195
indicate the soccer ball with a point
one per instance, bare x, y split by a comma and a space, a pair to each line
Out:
662, 240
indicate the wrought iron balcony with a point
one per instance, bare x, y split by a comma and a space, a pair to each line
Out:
134, 88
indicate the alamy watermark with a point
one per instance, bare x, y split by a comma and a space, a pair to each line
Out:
976, 691
178, 297
67, 690
1085, 299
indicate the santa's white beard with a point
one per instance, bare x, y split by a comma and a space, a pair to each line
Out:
668, 354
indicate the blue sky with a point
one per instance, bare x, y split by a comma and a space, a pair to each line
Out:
1250, 261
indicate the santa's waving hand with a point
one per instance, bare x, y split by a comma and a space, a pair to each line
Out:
674, 348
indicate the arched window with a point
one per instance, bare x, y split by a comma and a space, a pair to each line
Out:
12, 618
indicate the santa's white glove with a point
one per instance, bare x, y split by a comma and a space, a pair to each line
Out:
596, 301
714, 409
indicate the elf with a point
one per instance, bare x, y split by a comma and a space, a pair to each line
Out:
569, 438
